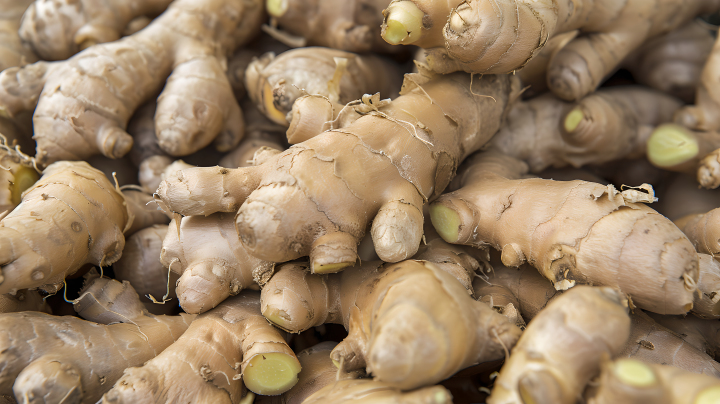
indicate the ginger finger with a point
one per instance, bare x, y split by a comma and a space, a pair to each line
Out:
23, 300
144, 211
12, 51
206, 363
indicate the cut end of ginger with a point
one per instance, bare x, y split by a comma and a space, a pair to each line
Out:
24, 178
403, 23
271, 373
276, 8
634, 373
573, 119
446, 221
670, 145
330, 268
273, 113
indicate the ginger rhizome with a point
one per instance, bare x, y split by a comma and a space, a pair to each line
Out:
67, 359
587, 325
350, 25
57, 30
502, 36
607, 125
318, 197
212, 262
223, 349
633, 381
573, 232
71, 217
654, 343
85, 102
12, 51
143, 209
23, 300
389, 318
275, 82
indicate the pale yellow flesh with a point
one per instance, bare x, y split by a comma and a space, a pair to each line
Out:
403, 24
573, 119
670, 145
276, 8
634, 373
709, 396
330, 268
271, 373
272, 112
446, 221
25, 177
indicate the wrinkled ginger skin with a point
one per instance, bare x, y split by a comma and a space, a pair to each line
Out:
12, 50
582, 232
707, 300
367, 391
703, 115
57, 30
389, 319
502, 36
350, 25
76, 360
23, 300
201, 367
703, 230
630, 381
610, 124
71, 217
275, 82
212, 262
562, 347
143, 210
85, 102
318, 197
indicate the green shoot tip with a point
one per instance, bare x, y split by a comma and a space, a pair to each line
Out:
446, 221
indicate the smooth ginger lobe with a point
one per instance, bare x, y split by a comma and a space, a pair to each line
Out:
502, 36
82, 105
573, 232
318, 197
71, 217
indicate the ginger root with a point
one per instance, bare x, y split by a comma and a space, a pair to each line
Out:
73, 360
582, 232
17, 174
206, 364
71, 217
502, 36
318, 197
56, 30
85, 102
12, 51
389, 319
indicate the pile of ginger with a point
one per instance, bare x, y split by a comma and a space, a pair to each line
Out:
361, 201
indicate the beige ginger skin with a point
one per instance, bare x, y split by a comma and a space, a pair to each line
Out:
561, 349
224, 350
71, 217
67, 359
213, 264
502, 36
56, 30
378, 304
85, 102
275, 82
12, 50
383, 167
582, 232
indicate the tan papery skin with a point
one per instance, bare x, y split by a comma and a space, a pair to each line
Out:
389, 319
366, 391
616, 124
67, 359
23, 300
56, 30
670, 385
12, 50
698, 332
573, 232
502, 36
85, 102
704, 114
201, 367
143, 209
561, 349
71, 217
653, 343
275, 82
211, 261
350, 25
318, 197
703, 230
